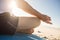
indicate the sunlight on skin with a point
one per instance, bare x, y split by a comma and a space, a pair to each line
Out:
17, 11
43, 28
20, 13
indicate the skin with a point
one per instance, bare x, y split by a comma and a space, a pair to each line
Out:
27, 8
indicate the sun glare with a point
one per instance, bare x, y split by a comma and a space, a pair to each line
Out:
13, 8
17, 11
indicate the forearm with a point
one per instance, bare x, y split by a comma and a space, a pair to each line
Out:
26, 7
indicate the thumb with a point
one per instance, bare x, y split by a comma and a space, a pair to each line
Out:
48, 22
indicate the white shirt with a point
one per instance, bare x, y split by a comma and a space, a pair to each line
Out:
5, 5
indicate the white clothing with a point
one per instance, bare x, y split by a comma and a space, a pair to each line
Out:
5, 5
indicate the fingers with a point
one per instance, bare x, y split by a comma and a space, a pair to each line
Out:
46, 19
48, 22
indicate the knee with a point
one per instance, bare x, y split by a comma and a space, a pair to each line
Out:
37, 22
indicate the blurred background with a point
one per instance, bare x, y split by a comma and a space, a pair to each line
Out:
51, 8
47, 7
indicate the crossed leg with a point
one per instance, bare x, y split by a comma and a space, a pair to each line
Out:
27, 24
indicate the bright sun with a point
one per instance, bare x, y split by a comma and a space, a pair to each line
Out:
14, 9
17, 11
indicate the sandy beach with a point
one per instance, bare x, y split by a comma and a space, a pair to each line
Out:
49, 33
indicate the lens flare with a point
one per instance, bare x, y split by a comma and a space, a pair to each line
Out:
17, 11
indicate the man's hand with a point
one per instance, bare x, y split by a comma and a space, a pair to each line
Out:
46, 19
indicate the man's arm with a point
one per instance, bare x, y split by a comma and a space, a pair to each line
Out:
26, 7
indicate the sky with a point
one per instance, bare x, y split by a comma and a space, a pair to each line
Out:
48, 7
